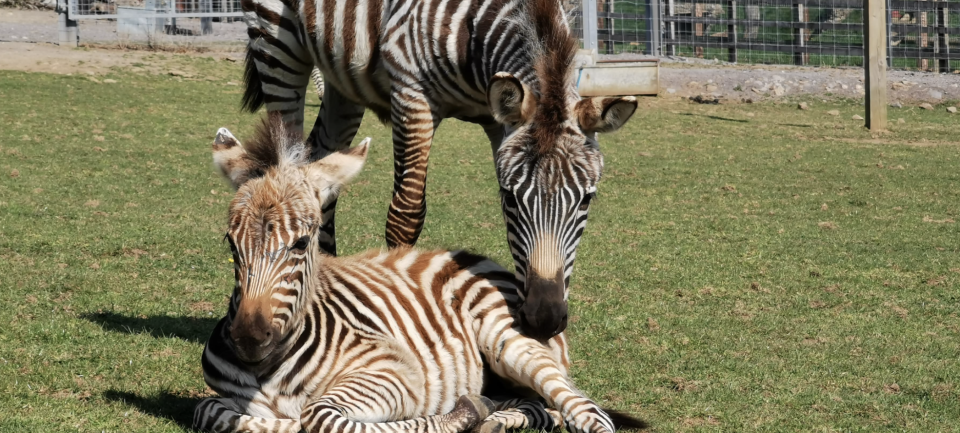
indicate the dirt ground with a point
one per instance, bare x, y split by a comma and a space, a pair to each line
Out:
28, 43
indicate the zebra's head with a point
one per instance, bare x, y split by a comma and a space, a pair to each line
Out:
548, 167
273, 221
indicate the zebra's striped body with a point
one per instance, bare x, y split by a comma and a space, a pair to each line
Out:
383, 342
504, 64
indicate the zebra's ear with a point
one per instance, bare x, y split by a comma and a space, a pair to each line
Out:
232, 160
511, 102
339, 168
604, 114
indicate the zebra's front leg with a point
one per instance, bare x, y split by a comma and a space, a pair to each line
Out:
520, 413
353, 407
337, 123
221, 415
536, 365
414, 123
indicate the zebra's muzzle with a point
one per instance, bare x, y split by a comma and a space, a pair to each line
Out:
253, 335
544, 311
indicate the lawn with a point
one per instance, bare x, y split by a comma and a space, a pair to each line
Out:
746, 267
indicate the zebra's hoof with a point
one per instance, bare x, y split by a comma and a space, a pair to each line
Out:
475, 407
490, 426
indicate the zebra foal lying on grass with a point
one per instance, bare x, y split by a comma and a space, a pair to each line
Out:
401, 341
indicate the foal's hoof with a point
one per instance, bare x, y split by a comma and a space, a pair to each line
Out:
475, 407
489, 426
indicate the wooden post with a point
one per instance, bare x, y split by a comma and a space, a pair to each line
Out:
875, 63
799, 40
698, 27
924, 39
943, 38
732, 30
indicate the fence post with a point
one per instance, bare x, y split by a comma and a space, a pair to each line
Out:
943, 38
589, 9
698, 28
800, 57
875, 64
671, 12
923, 64
732, 30
652, 15
67, 31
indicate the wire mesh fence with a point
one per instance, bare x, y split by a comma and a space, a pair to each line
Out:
802, 32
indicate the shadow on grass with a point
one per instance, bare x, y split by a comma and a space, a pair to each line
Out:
727, 119
192, 329
167, 405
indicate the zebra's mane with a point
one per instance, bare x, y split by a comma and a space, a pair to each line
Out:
275, 145
554, 60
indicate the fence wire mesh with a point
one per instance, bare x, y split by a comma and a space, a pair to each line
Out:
802, 32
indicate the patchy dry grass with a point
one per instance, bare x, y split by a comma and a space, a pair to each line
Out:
746, 267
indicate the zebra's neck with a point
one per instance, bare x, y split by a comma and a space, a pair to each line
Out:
529, 39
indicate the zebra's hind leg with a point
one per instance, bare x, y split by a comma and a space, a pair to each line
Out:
336, 126
317, 78
520, 413
220, 415
327, 415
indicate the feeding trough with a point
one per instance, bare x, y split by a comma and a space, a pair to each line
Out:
619, 77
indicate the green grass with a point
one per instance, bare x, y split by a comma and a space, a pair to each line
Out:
746, 267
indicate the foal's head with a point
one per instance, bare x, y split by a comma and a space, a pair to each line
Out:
273, 219
548, 167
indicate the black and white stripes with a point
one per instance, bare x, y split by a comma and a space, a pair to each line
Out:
504, 64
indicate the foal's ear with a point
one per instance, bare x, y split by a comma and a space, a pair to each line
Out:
604, 114
339, 168
231, 159
511, 102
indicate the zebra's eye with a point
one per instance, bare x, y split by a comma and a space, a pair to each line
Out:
300, 244
508, 199
585, 204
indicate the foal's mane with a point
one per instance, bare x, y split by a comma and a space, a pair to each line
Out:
274, 145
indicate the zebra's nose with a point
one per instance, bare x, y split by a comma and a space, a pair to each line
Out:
544, 311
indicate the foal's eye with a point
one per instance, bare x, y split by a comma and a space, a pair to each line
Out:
300, 244
508, 198
585, 203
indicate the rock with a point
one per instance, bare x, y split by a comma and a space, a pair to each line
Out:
693, 84
935, 94
94, 80
232, 83
898, 86
900, 120
803, 106
669, 90
711, 88
757, 91
897, 104
109, 81
844, 86
834, 112
858, 87
952, 109
926, 106
857, 117
709, 81
778, 90
750, 114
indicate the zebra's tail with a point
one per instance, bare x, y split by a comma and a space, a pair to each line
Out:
625, 421
253, 97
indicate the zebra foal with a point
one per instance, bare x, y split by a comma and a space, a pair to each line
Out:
506, 65
385, 342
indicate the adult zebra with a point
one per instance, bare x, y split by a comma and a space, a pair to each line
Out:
394, 342
504, 64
